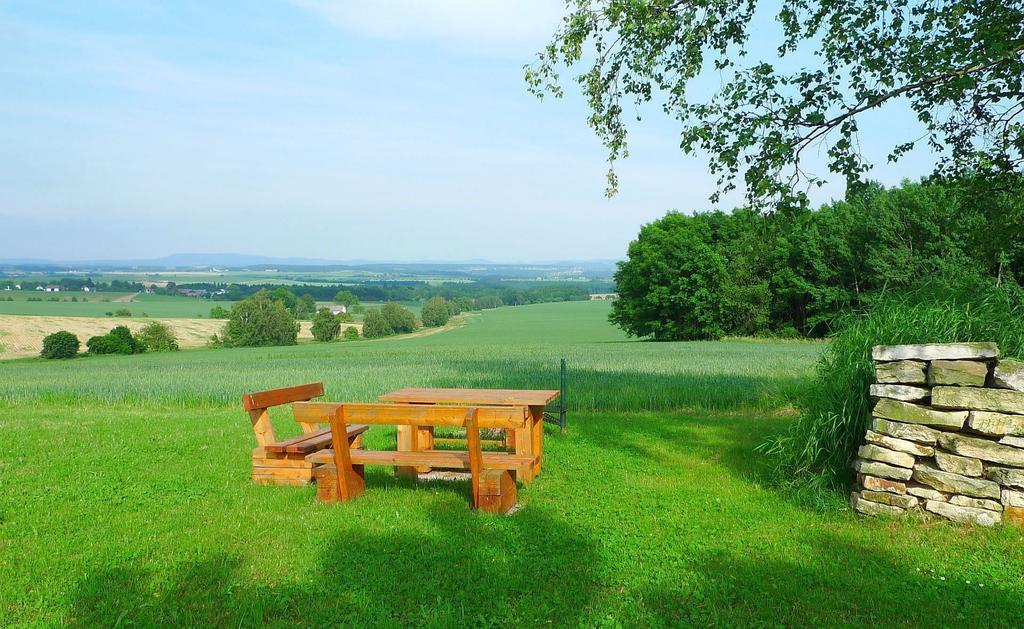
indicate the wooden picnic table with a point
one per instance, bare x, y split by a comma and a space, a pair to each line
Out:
524, 442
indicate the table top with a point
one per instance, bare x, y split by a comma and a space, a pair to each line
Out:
492, 397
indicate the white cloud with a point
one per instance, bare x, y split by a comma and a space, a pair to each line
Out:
496, 27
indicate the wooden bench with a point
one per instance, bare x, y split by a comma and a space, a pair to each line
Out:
341, 477
284, 462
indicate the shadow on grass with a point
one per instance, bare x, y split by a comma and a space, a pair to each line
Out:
849, 584
466, 568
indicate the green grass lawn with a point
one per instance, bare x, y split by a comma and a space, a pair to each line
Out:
125, 499
98, 304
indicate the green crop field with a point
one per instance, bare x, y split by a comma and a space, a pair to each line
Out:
125, 497
98, 304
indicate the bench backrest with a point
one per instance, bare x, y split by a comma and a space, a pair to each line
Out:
256, 404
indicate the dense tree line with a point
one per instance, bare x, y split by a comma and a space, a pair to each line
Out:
472, 295
795, 272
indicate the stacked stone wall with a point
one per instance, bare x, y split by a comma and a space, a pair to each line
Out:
946, 437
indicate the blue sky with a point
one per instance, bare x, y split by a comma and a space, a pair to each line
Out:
392, 130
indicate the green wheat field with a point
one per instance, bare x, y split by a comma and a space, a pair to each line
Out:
125, 497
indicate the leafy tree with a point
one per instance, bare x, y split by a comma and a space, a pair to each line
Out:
305, 306
260, 320
326, 326
346, 298
219, 312
118, 341
350, 333
399, 319
435, 312
670, 287
61, 344
959, 66
284, 296
375, 324
157, 336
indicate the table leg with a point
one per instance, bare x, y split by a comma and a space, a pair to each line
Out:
524, 447
537, 436
424, 441
406, 443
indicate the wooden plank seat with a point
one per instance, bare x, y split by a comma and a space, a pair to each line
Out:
284, 462
341, 477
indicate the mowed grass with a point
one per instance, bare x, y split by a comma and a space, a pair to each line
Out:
118, 508
98, 304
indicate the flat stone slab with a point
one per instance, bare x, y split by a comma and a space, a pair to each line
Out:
914, 414
893, 500
926, 493
885, 455
982, 449
901, 371
1016, 442
955, 483
975, 399
964, 515
1006, 476
900, 445
935, 351
867, 507
996, 424
883, 470
1009, 374
912, 432
962, 373
903, 392
955, 464
873, 483
976, 503
1011, 498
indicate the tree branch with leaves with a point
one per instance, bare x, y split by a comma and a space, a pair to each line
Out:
958, 65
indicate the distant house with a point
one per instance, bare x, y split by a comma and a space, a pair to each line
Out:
52, 288
189, 292
86, 289
604, 296
337, 310
17, 287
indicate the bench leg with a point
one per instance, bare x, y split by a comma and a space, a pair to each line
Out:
406, 443
327, 481
497, 492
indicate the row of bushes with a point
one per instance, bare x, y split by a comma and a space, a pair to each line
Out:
155, 336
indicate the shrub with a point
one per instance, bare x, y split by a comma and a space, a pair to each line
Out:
219, 312
400, 319
61, 344
435, 312
122, 312
817, 451
375, 325
157, 336
326, 326
118, 341
260, 320
350, 333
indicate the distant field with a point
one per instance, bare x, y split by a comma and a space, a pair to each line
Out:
22, 335
98, 304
